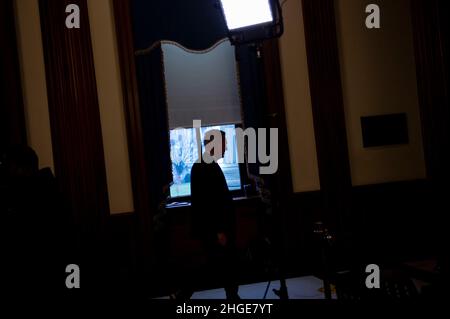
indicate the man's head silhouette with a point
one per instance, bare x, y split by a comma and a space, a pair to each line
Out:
215, 144
21, 161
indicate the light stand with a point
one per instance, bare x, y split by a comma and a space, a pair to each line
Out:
270, 246
252, 22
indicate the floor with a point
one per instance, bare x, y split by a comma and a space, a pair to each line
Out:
308, 287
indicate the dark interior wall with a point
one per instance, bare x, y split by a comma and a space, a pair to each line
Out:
12, 118
432, 48
196, 24
431, 37
387, 223
394, 221
181, 256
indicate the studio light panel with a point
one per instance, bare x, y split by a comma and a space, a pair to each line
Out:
246, 13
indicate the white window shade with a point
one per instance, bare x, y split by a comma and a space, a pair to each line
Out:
201, 86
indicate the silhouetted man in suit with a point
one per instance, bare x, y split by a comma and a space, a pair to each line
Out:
35, 230
213, 215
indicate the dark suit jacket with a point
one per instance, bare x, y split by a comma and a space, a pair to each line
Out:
36, 236
212, 204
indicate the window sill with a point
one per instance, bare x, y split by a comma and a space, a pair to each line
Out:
187, 203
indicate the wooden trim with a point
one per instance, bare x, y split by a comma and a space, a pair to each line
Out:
12, 118
276, 113
122, 14
431, 40
281, 182
328, 108
140, 184
432, 47
74, 115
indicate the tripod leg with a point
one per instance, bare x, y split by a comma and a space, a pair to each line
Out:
327, 289
267, 289
282, 292
326, 275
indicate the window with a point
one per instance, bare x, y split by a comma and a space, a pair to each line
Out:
184, 153
204, 86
